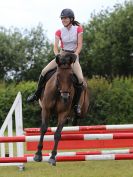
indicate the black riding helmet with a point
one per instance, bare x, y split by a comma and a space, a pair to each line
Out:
67, 13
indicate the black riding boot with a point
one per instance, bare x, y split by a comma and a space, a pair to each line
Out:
77, 107
35, 96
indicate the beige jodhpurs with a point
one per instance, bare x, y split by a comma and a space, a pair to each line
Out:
75, 67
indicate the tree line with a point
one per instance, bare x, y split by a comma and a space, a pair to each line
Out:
107, 47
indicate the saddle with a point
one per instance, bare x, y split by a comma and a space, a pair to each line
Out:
49, 74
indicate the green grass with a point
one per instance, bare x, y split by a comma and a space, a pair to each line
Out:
72, 169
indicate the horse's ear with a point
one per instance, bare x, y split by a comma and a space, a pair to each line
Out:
57, 58
73, 58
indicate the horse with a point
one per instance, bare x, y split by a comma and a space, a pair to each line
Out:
59, 94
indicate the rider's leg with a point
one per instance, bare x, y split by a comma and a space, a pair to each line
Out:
78, 72
41, 83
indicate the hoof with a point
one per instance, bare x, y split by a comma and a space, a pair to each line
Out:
52, 162
37, 158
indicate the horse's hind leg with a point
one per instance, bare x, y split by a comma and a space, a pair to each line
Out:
44, 127
57, 137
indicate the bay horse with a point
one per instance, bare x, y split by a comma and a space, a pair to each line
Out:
59, 94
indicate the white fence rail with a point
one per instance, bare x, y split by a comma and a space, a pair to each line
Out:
8, 149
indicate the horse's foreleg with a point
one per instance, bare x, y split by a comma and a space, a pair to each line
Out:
57, 137
43, 130
38, 154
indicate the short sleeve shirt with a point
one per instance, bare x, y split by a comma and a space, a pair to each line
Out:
69, 38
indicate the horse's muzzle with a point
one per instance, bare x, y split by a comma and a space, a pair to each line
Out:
65, 96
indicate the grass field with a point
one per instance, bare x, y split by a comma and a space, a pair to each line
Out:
72, 169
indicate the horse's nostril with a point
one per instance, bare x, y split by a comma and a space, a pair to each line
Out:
65, 96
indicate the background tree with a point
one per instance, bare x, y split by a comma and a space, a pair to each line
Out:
23, 54
12, 47
108, 42
38, 54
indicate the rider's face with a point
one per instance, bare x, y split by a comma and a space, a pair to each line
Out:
65, 21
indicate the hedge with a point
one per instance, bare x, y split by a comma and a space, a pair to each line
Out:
110, 102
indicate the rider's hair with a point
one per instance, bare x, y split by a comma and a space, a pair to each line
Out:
75, 23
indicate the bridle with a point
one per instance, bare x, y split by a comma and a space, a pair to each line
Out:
65, 95
64, 63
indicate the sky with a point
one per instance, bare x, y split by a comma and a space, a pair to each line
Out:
26, 14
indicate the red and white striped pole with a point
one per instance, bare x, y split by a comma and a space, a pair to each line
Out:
69, 158
102, 152
109, 136
85, 128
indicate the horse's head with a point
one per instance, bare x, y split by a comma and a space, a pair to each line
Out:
64, 75
65, 59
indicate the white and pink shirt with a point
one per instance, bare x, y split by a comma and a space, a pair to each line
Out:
69, 38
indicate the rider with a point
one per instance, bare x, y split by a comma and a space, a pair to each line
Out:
70, 37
